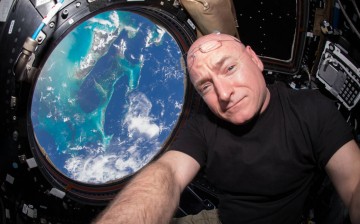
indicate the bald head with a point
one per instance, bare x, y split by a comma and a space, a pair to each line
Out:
228, 76
208, 43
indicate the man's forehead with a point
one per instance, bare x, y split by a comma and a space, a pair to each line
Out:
209, 37
199, 43
214, 61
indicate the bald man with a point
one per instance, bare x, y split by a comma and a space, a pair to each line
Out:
259, 145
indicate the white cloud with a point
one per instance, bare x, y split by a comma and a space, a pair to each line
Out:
114, 17
138, 119
101, 21
103, 168
143, 125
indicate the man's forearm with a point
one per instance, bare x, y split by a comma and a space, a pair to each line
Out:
151, 197
355, 206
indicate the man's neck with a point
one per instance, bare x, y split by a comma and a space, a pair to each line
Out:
266, 101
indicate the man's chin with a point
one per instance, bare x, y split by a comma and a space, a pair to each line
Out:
238, 120
241, 122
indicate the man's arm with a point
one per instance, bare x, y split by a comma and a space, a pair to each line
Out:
154, 193
344, 170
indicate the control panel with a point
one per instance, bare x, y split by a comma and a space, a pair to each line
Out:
339, 74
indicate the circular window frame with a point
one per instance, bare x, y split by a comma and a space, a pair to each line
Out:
184, 35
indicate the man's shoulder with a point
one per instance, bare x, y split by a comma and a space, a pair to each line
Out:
202, 119
299, 96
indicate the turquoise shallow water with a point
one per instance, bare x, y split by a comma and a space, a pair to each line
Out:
108, 97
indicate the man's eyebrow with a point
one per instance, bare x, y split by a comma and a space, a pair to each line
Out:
221, 61
200, 82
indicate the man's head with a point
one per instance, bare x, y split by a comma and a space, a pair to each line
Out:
228, 76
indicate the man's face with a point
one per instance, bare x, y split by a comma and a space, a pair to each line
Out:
229, 78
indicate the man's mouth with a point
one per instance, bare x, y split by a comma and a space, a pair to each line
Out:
234, 105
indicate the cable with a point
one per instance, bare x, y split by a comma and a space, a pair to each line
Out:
30, 45
306, 70
37, 31
356, 8
348, 19
47, 18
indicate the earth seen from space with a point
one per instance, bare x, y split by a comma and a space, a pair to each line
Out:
108, 97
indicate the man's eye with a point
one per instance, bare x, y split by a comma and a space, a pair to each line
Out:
230, 68
205, 88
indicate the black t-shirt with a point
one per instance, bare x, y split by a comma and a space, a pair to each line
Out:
264, 169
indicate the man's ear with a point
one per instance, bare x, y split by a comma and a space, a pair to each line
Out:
254, 57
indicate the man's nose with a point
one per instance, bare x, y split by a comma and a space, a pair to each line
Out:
223, 89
